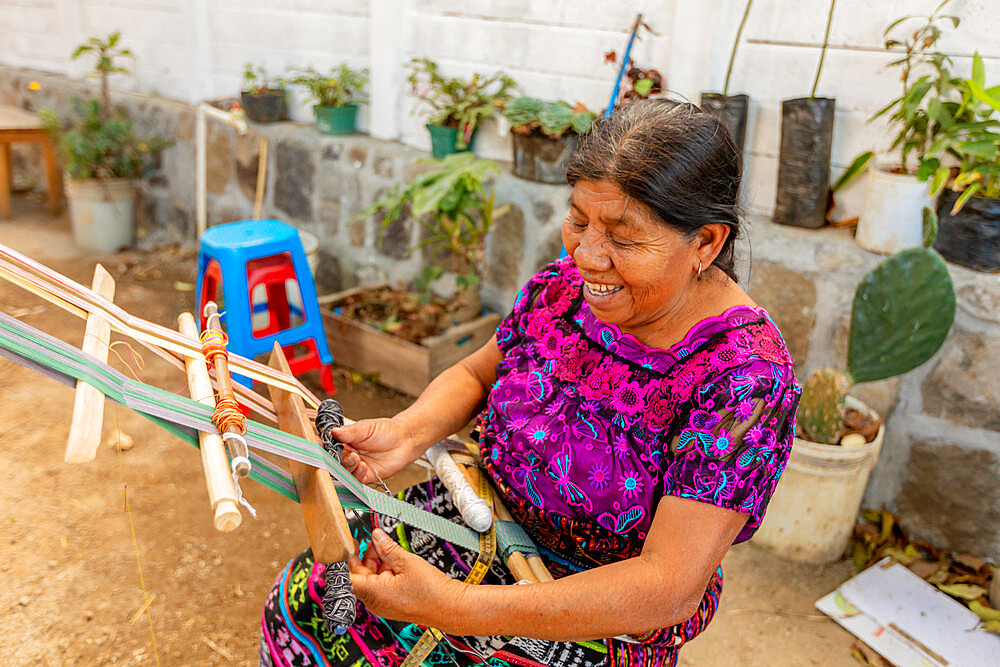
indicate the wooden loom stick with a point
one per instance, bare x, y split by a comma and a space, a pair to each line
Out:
329, 535
221, 491
88, 403
516, 562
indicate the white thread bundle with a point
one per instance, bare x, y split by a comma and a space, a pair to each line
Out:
474, 510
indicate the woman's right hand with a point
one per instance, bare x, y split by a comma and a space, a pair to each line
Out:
374, 449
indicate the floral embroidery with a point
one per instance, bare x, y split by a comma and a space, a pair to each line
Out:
586, 428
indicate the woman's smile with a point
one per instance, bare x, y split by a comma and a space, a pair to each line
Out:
601, 290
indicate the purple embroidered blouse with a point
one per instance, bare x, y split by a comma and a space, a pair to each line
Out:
586, 428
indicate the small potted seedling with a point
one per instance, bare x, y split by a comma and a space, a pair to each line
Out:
731, 109
544, 135
263, 97
457, 106
337, 96
901, 315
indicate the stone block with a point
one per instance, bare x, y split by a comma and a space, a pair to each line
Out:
357, 157
328, 218
247, 163
543, 210
506, 249
394, 240
329, 274
385, 167
332, 152
358, 231
790, 298
980, 297
951, 497
218, 157
964, 386
293, 179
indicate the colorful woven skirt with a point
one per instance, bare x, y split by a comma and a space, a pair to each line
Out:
293, 635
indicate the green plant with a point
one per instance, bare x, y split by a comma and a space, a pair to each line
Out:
101, 142
453, 205
901, 315
459, 103
822, 53
105, 52
736, 44
342, 86
926, 106
554, 119
256, 80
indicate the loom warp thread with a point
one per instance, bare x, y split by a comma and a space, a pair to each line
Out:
339, 604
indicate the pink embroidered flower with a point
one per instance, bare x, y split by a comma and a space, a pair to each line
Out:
722, 445
726, 356
660, 412
630, 485
616, 374
629, 398
538, 324
594, 386
550, 343
744, 410
599, 476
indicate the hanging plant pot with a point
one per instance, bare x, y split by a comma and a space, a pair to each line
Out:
444, 141
804, 162
336, 120
892, 217
971, 237
732, 111
541, 158
266, 106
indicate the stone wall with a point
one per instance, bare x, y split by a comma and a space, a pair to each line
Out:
939, 467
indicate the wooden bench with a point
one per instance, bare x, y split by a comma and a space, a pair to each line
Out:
18, 125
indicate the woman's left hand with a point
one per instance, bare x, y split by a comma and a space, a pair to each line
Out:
397, 585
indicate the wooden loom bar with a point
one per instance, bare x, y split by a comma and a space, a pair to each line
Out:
88, 403
221, 491
329, 535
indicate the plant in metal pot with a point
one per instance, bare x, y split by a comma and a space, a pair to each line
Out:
455, 206
901, 315
930, 101
337, 95
731, 109
457, 105
263, 97
102, 155
804, 154
544, 135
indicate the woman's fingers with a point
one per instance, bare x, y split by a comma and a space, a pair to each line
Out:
354, 433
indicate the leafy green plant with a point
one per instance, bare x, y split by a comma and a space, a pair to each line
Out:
736, 44
459, 103
257, 81
901, 315
344, 85
101, 142
822, 52
926, 105
554, 119
454, 206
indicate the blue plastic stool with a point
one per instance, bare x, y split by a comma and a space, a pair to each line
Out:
225, 256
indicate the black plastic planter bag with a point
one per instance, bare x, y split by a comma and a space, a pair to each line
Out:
971, 237
267, 107
732, 111
804, 162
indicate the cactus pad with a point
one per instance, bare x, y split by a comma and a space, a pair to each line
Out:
821, 407
903, 309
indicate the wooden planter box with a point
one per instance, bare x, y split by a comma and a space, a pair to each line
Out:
402, 365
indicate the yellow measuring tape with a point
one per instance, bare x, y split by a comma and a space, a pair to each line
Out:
487, 550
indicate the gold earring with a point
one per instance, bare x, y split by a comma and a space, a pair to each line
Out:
699, 268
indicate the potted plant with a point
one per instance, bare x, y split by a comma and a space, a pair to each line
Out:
263, 97
902, 312
731, 109
544, 135
102, 156
970, 207
898, 191
337, 96
407, 337
457, 106
804, 156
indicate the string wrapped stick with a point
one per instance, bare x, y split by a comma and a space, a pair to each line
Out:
474, 510
227, 416
339, 604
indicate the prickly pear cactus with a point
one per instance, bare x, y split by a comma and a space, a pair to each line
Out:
821, 407
902, 312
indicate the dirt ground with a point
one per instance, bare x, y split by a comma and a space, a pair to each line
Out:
72, 592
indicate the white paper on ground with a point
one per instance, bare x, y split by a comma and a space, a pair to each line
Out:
908, 621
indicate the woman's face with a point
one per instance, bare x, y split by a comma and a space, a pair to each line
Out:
636, 270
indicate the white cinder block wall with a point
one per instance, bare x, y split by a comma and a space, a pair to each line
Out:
195, 49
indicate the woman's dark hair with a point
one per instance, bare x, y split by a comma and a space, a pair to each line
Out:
673, 157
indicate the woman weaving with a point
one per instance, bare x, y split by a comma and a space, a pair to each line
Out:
636, 410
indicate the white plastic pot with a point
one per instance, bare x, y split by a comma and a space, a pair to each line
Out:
892, 217
310, 245
102, 212
812, 513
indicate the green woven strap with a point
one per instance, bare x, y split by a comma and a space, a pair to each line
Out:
183, 417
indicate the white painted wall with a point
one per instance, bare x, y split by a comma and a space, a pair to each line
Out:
195, 49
